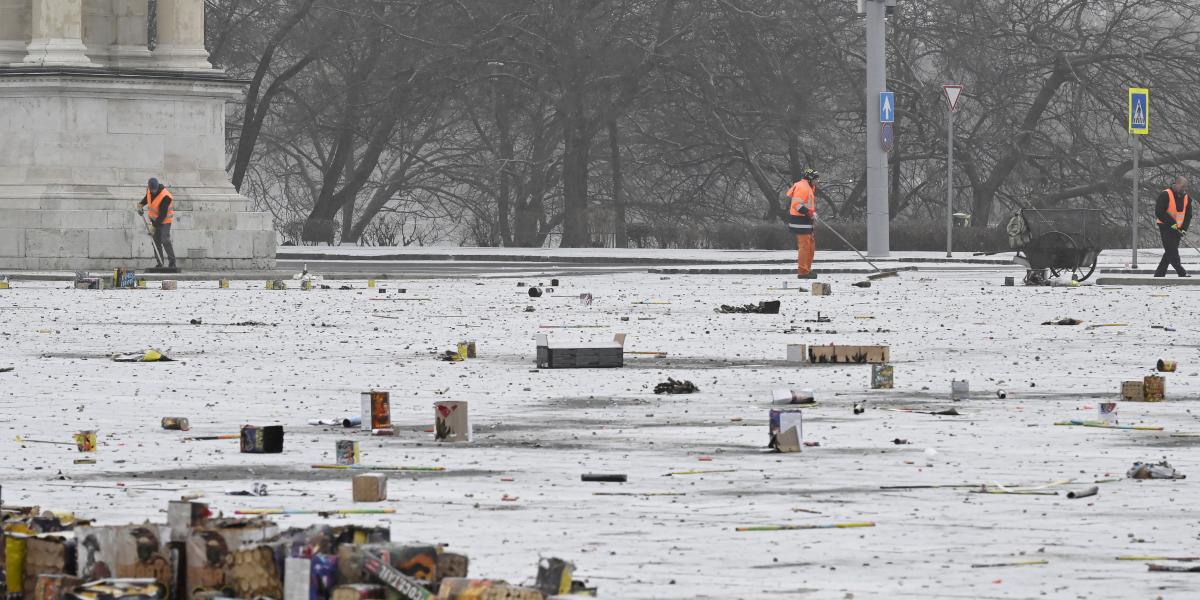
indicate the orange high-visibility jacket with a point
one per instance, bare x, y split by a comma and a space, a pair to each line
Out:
1177, 211
802, 194
154, 206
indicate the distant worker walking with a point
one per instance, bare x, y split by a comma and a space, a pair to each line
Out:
1174, 212
160, 205
802, 209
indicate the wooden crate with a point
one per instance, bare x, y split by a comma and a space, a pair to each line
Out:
849, 354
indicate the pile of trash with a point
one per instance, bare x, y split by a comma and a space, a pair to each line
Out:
770, 307
196, 556
674, 386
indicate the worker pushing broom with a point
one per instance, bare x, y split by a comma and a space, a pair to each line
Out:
802, 217
160, 205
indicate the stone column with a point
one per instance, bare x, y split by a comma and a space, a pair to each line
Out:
181, 35
14, 30
98, 29
57, 34
129, 47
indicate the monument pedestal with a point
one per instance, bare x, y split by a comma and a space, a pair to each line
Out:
77, 146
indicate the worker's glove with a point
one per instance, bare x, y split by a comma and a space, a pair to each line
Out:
1175, 226
141, 212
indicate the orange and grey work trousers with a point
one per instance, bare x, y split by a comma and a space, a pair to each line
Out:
806, 246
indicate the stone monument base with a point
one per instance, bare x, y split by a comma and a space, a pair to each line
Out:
77, 146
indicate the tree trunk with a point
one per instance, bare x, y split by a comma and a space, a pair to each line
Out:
576, 150
507, 154
348, 236
618, 183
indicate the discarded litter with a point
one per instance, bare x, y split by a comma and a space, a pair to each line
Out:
347, 452
604, 478
1020, 563
262, 440
283, 512
770, 307
786, 428
149, 355
1159, 470
1106, 425
256, 489
1173, 569
674, 386
381, 468
882, 377
1066, 321
786, 396
452, 422
851, 525
1167, 366
949, 412
1084, 493
960, 390
175, 424
369, 487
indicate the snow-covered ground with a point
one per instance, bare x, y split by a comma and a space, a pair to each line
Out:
538, 431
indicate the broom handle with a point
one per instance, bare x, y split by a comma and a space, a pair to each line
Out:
839, 236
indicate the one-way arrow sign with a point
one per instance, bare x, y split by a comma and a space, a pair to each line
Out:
887, 107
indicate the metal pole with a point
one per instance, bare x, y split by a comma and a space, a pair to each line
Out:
950, 183
878, 238
1137, 151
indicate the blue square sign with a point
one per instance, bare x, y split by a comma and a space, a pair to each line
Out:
887, 107
1139, 111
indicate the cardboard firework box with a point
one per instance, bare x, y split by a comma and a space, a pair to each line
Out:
849, 354
376, 410
452, 423
254, 573
142, 553
209, 549
96, 548
54, 587
46, 555
417, 562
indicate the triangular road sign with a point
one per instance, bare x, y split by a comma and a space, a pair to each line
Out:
953, 93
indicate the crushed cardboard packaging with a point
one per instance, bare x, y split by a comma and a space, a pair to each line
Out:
766, 307
674, 386
1159, 470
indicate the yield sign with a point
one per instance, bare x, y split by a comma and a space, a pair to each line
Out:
953, 93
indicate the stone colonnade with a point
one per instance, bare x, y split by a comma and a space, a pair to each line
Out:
102, 33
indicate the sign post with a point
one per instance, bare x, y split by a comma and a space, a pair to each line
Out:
1139, 124
953, 93
877, 96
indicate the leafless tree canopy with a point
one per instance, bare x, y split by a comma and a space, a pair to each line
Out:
678, 122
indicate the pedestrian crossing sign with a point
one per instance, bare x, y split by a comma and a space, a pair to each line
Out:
1139, 111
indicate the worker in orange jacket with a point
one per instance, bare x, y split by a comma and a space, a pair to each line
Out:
161, 205
802, 209
1174, 211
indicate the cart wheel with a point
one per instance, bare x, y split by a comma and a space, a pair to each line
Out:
1090, 269
1058, 245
